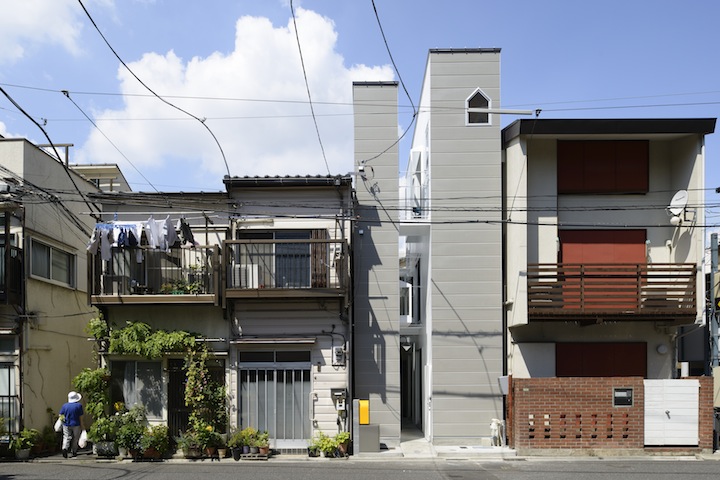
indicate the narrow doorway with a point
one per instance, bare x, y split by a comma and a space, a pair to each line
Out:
411, 388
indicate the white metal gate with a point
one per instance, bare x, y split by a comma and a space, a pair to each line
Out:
277, 399
671, 412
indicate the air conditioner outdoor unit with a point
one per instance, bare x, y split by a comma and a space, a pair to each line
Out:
245, 276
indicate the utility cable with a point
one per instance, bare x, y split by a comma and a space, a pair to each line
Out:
307, 87
387, 47
67, 95
202, 121
57, 154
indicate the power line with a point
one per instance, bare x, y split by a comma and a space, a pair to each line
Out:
64, 166
307, 87
202, 121
387, 47
67, 95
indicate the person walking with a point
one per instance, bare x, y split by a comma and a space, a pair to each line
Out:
71, 413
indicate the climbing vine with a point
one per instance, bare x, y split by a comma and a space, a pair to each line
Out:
139, 338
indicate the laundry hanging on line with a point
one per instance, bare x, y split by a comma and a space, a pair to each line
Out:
159, 234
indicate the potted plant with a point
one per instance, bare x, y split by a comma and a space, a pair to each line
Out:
327, 445
190, 444
24, 441
235, 443
249, 435
155, 441
103, 433
130, 431
210, 439
342, 439
262, 440
314, 447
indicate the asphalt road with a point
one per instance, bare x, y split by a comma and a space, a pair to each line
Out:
402, 469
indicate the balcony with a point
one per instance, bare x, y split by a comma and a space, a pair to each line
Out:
267, 268
11, 274
612, 291
142, 275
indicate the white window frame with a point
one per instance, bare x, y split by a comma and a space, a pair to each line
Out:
467, 107
72, 264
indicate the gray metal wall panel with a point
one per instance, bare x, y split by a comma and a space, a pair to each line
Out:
376, 272
467, 305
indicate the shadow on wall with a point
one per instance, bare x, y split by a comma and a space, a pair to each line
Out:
370, 345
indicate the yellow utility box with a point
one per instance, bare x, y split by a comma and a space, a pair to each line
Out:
364, 411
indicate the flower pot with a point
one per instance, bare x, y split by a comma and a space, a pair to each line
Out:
254, 449
192, 452
151, 453
313, 452
245, 449
122, 452
236, 452
222, 452
210, 451
264, 450
22, 454
105, 449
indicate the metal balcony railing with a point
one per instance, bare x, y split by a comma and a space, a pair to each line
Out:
10, 413
561, 290
145, 271
307, 264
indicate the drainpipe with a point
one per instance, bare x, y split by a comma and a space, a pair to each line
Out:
504, 275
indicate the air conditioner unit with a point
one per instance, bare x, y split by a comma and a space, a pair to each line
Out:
245, 276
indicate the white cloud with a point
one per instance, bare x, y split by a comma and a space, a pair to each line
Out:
259, 137
29, 24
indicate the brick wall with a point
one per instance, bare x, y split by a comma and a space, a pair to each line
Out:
578, 413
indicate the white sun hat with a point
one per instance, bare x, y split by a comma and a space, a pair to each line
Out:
74, 397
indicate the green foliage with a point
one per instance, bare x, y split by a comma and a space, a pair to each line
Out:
342, 437
138, 338
93, 384
189, 440
205, 398
27, 438
131, 427
157, 437
325, 444
182, 287
104, 429
235, 440
248, 436
97, 328
208, 436
262, 439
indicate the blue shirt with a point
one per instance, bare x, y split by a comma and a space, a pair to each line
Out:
72, 412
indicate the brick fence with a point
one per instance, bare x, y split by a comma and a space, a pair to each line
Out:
578, 414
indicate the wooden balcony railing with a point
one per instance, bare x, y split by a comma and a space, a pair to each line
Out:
611, 290
144, 275
273, 267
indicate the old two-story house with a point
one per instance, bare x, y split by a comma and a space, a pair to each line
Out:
43, 308
604, 227
260, 274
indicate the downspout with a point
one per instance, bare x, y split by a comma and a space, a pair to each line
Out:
503, 229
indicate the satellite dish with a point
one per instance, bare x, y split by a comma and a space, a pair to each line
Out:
678, 203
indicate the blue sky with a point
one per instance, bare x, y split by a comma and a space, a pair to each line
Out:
235, 64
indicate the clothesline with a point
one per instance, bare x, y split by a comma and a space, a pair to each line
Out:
160, 234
